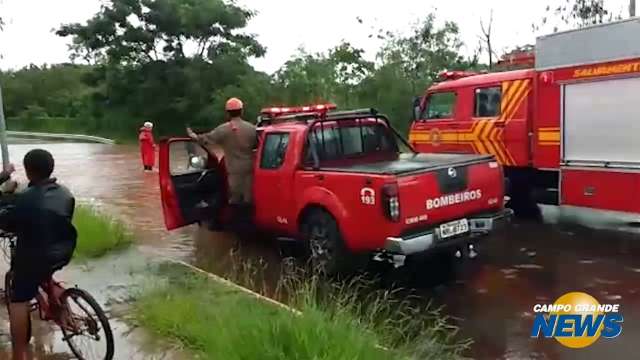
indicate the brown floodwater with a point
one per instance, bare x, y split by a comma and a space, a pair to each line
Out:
491, 299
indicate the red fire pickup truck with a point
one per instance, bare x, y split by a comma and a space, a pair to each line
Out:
345, 185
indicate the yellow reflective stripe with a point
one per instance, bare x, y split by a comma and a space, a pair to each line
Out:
516, 101
549, 136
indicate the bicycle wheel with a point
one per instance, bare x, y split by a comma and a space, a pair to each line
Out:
8, 285
85, 326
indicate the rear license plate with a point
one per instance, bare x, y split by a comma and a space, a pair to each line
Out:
454, 228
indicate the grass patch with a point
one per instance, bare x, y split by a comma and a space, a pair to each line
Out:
218, 322
98, 233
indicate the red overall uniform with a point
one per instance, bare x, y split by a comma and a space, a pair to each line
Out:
147, 148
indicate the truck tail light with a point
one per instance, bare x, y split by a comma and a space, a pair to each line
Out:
391, 202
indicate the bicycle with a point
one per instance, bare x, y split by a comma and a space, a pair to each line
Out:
56, 303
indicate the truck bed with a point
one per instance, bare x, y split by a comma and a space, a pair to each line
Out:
411, 164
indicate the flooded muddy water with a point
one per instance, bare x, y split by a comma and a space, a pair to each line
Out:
491, 299
535, 264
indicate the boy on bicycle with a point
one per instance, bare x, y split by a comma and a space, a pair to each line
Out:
41, 219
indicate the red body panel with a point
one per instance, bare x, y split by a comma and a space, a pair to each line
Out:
170, 207
601, 189
364, 227
273, 193
545, 123
416, 190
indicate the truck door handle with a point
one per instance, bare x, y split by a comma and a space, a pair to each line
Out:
499, 124
320, 177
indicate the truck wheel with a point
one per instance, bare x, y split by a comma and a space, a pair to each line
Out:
325, 247
522, 201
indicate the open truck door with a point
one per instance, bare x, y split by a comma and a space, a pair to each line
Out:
192, 183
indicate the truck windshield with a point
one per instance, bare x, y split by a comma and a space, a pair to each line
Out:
336, 142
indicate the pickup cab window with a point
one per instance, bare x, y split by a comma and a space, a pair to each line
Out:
440, 106
364, 139
275, 149
333, 143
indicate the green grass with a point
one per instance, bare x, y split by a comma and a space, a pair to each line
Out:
98, 233
218, 322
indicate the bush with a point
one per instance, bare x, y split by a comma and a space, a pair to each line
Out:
98, 233
219, 322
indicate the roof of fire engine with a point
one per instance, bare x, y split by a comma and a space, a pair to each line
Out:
484, 79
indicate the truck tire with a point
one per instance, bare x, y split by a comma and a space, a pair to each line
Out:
522, 202
325, 248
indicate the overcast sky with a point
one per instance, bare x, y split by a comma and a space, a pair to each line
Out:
285, 25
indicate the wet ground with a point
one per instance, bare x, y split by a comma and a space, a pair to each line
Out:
491, 300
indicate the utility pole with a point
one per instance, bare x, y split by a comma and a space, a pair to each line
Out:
3, 136
632, 8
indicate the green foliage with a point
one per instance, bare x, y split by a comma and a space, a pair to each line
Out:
57, 90
175, 63
164, 60
407, 66
219, 322
426, 52
576, 13
98, 233
142, 31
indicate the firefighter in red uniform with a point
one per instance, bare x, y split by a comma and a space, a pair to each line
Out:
147, 146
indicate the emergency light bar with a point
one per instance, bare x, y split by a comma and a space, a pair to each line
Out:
276, 111
454, 75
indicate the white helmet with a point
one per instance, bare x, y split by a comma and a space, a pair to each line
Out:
148, 125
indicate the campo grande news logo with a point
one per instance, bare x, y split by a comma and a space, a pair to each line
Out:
577, 320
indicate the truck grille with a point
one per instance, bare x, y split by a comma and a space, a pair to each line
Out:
451, 180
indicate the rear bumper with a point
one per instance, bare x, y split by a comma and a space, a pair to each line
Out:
430, 241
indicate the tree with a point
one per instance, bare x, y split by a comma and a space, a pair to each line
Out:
576, 13
141, 31
407, 65
426, 52
163, 60
310, 78
175, 62
486, 38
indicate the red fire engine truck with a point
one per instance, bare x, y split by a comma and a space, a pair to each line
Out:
566, 131
339, 183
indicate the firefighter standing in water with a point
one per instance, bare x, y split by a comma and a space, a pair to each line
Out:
238, 139
147, 146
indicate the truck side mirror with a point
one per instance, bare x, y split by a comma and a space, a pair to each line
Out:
416, 108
